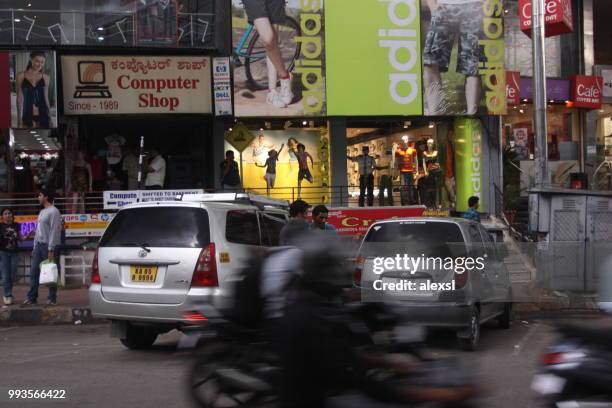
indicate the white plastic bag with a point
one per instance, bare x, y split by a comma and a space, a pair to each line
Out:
48, 273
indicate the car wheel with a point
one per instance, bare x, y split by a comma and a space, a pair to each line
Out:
469, 338
506, 317
138, 338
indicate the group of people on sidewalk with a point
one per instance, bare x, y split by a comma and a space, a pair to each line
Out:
47, 239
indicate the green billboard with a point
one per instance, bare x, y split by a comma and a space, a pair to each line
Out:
373, 57
468, 162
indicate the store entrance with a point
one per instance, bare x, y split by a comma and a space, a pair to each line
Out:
185, 142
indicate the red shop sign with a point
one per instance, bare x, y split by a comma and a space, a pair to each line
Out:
356, 221
587, 91
513, 88
558, 17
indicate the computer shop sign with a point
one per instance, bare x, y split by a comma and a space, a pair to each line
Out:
136, 84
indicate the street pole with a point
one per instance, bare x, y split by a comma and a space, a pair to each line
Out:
140, 157
542, 177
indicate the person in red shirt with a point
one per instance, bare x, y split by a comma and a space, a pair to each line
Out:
408, 165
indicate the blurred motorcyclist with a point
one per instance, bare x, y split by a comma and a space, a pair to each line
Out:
317, 350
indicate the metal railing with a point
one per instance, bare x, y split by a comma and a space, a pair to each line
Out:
119, 28
27, 203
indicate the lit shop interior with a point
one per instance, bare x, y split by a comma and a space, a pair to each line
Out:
602, 178
414, 162
31, 160
563, 145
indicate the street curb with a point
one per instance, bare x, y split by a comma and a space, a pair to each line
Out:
51, 315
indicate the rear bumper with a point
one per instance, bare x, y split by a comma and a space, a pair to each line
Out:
432, 314
154, 313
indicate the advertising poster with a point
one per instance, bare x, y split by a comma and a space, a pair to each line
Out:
521, 142
96, 84
285, 143
259, 88
463, 57
373, 54
222, 86
76, 225
33, 89
468, 162
114, 200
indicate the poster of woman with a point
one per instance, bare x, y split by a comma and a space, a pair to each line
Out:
33, 92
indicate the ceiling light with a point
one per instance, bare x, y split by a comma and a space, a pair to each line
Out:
29, 4
431, 125
100, 38
521, 111
32, 132
524, 100
304, 123
100, 29
552, 101
230, 129
18, 20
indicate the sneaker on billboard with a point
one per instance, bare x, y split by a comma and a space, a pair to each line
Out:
285, 90
273, 98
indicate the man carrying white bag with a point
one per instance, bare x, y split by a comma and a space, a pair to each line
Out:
46, 240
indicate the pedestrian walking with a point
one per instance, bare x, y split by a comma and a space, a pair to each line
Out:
46, 239
9, 243
472, 212
367, 165
297, 223
230, 176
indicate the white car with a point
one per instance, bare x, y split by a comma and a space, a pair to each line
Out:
157, 259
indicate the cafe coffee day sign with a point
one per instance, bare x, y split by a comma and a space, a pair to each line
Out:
143, 84
373, 56
557, 17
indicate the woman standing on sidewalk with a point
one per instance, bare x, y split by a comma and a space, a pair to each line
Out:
9, 240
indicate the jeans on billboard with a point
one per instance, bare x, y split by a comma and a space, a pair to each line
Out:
8, 264
366, 182
385, 184
39, 254
407, 191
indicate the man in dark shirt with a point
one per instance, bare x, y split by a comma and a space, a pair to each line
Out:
230, 176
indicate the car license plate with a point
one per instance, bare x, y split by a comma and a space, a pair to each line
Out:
140, 274
547, 384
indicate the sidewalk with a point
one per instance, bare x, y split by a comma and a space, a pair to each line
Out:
72, 307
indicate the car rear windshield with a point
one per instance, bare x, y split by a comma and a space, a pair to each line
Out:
169, 227
438, 239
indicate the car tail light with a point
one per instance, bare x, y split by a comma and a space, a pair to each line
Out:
193, 316
95, 270
461, 279
205, 273
560, 357
358, 271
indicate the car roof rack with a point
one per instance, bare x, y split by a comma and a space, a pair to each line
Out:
242, 198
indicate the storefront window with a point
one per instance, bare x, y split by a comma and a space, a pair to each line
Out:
602, 178
413, 165
287, 163
563, 143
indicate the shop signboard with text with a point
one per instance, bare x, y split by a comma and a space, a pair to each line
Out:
463, 57
587, 91
557, 17
262, 85
114, 200
95, 84
469, 164
513, 88
356, 221
373, 57
605, 72
75, 225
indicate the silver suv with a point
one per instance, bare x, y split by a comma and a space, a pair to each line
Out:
156, 260
454, 296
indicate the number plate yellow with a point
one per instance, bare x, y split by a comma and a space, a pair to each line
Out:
139, 273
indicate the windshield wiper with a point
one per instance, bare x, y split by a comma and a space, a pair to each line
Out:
134, 244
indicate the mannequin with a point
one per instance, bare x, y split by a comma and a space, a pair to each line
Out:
408, 165
80, 183
431, 166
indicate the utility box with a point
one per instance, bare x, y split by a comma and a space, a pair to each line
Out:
575, 229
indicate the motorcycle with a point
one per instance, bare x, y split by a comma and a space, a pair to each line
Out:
239, 366
576, 371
